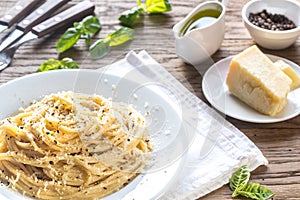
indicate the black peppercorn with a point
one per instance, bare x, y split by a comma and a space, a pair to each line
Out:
269, 21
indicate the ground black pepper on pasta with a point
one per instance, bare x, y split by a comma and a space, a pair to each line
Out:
52, 157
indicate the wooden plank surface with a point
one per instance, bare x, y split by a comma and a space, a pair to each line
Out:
279, 142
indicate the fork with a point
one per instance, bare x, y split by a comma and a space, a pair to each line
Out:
7, 54
74, 13
6, 57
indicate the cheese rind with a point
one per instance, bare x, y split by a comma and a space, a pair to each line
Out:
290, 72
254, 79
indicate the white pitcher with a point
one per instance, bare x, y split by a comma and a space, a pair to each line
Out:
196, 44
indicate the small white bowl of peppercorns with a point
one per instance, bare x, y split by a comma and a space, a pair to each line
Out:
273, 24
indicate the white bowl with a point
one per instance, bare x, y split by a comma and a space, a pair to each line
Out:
154, 182
273, 39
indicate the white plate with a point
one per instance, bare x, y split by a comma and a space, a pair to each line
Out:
164, 118
216, 92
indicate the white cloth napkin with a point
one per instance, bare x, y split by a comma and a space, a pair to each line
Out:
217, 149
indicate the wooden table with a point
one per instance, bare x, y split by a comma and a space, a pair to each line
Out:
279, 142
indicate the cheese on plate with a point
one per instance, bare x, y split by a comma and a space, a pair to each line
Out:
290, 72
254, 79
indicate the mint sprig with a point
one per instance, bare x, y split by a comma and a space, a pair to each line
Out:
256, 191
239, 184
239, 179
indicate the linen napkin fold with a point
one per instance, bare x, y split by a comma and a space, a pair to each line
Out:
217, 148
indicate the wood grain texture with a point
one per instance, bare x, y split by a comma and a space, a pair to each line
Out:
279, 142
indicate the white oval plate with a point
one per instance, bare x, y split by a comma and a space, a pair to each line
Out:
216, 92
167, 148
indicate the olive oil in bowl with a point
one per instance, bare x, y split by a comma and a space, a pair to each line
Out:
201, 19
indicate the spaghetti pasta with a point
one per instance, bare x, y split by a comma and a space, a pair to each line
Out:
72, 146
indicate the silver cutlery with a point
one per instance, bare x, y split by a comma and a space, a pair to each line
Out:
17, 13
74, 13
39, 15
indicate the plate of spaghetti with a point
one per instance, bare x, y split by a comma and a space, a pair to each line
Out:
83, 134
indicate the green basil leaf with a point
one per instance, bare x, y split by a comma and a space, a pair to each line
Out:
100, 48
128, 17
87, 38
78, 25
239, 179
68, 63
49, 65
256, 191
53, 64
120, 36
91, 24
83, 29
139, 3
158, 6
68, 39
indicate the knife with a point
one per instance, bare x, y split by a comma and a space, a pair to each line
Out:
40, 14
18, 12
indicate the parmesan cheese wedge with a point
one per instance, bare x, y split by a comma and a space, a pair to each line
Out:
290, 72
254, 79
